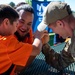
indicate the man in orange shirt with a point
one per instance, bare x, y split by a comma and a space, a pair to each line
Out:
24, 32
13, 52
24, 29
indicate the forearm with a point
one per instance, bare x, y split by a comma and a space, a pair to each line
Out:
37, 45
56, 60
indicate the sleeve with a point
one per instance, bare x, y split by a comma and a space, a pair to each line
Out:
56, 60
19, 52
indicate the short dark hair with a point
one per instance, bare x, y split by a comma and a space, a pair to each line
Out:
25, 7
7, 11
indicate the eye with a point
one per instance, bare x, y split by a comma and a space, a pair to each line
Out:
20, 21
29, 24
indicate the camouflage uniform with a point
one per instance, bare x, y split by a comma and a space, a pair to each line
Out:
64, 58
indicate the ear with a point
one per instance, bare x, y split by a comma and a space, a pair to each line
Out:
6, 22
60, 23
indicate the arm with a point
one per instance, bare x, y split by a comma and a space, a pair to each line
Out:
39, 37
56, 60
37, 45
34, 52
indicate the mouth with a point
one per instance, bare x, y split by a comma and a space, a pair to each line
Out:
23, 31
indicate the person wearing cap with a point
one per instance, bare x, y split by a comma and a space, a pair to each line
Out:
59, 17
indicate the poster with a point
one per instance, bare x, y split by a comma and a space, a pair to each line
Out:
39, 7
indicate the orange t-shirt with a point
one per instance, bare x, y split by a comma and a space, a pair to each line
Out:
29, 39
13, 52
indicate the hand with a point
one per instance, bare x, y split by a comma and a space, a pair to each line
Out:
45, 38
38, 34
46, 48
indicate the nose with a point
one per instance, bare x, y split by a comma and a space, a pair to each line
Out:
24, 26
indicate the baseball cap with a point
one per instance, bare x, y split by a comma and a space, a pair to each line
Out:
55, 11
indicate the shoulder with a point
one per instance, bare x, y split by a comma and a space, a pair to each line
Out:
11, 37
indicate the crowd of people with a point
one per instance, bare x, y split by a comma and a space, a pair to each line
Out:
19, 45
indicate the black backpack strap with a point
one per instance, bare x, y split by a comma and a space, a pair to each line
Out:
8, 71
